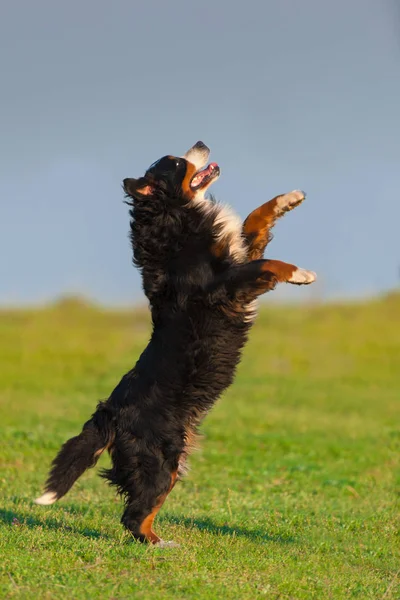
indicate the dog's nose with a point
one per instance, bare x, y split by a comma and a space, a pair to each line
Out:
201, 146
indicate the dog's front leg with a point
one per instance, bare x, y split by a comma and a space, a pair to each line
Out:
257, 227
246, 282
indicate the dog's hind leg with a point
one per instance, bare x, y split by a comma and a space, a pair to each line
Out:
138, 518
144, 476
257, 227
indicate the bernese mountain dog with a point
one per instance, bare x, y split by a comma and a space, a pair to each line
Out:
202, 271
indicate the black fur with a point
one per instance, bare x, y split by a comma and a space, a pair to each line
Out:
199, 296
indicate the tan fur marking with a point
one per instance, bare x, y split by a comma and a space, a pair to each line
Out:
285, 272
190, 172
146, 527
258, 224
282, 271
108, 447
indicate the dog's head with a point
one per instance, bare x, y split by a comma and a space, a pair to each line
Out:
174, 178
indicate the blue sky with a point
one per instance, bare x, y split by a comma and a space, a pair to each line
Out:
287, 93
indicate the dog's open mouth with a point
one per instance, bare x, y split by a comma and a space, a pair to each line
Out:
204, 177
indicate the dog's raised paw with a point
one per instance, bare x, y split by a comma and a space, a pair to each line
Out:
290, 200
302, 277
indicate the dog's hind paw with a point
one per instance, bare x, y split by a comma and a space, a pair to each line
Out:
166, 544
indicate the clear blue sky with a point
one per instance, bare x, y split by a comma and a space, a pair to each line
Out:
287, 93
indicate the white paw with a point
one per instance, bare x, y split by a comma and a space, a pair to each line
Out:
46, 499
166, 544
302, 277
290, 200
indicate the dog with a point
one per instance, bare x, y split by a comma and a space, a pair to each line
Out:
202, 272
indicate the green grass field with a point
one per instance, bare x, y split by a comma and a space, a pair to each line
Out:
294, 492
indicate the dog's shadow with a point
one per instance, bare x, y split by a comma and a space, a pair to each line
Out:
207, 525
15, 519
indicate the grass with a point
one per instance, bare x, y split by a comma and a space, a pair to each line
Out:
293, 494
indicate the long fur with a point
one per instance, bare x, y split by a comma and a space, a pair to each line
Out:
192, 256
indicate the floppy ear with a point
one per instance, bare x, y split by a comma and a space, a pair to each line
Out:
137, 188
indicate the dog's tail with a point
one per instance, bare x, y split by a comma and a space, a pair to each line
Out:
78, 454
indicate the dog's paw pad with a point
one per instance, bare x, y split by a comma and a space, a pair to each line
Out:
302, 277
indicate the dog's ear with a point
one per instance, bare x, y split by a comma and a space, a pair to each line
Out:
137, 188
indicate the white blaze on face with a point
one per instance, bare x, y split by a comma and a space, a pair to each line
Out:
198, 156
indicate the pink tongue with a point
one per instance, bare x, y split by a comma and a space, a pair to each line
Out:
202, 174
209, 169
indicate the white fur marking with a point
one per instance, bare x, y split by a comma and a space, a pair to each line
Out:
301, 276
251, 311
198, 157
166, 544
46, 499
230, 229
227, 225
289, 201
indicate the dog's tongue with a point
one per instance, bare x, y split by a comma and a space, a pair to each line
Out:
202, 174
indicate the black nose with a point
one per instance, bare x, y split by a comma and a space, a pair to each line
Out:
201, 146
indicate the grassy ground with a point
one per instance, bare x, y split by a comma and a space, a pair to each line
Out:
294, 493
